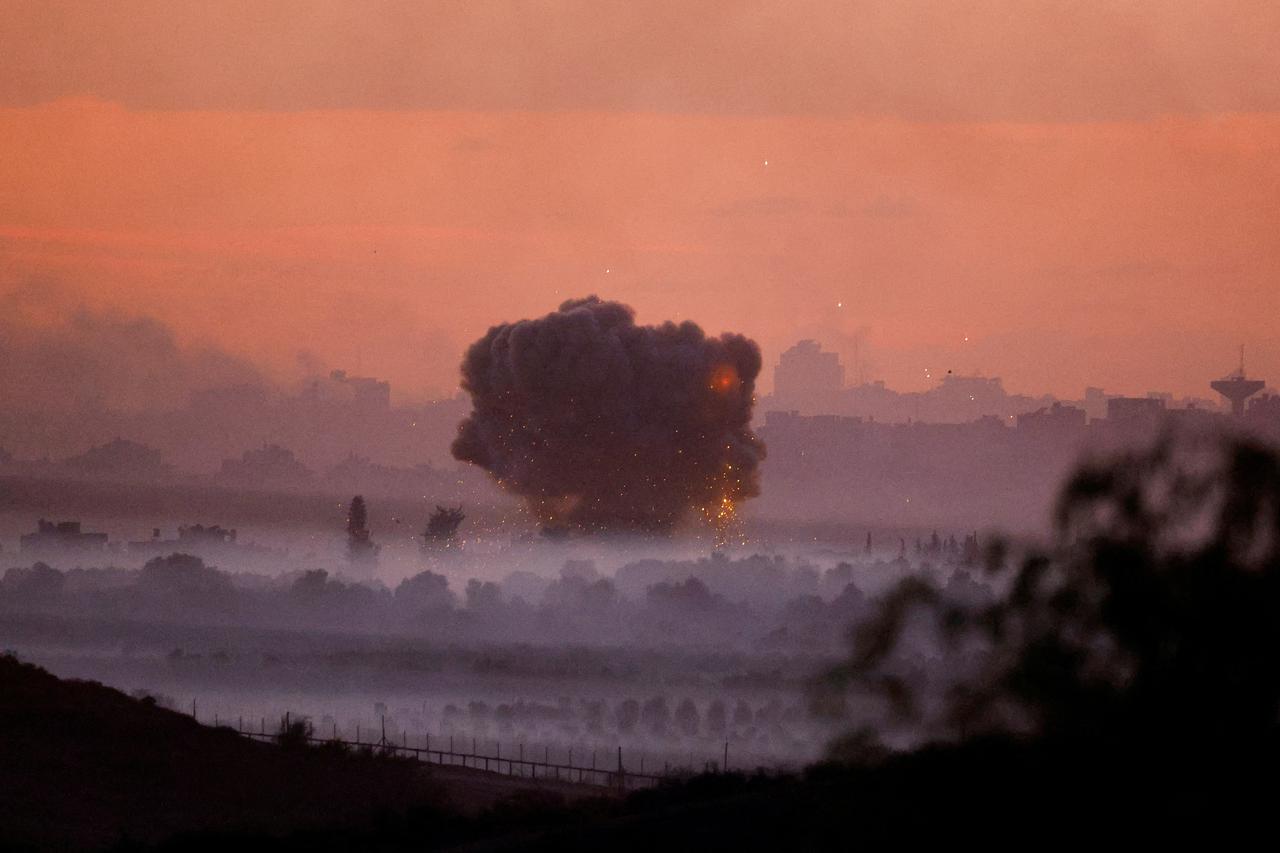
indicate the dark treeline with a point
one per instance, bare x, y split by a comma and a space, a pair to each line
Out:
754, 601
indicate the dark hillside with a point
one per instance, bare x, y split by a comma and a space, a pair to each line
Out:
84, 766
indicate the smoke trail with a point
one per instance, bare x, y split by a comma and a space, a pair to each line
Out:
605, 425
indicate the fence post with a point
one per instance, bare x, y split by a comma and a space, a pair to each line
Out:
383, 741
193, 710
725, 766
622, 784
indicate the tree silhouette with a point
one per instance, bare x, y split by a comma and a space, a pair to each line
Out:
442, 528
687, 717
1153, 617
360, 545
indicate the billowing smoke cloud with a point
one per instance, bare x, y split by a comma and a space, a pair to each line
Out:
55, 356
605, 425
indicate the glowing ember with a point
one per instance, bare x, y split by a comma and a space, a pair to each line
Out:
724, 378
721, 517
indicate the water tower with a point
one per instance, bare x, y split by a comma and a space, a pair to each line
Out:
1237, 388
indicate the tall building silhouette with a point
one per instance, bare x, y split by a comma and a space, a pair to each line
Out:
808, 379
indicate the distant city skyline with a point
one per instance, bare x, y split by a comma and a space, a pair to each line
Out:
812, 380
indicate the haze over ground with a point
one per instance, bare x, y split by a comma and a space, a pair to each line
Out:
1062, 196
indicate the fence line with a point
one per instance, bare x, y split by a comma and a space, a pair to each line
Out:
516, 765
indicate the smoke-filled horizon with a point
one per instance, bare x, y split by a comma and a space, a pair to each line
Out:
1061, 196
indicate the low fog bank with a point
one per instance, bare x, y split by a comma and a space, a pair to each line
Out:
751, 602
566, 642
669, 657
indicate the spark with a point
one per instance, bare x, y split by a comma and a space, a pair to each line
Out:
721, 518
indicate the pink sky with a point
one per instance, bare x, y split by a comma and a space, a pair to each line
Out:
1088, 199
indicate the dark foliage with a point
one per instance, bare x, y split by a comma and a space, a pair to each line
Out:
443, 524
1152, 619
360, 544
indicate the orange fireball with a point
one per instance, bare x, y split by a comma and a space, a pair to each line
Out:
724, 379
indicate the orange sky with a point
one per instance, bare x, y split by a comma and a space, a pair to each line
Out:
1089, 199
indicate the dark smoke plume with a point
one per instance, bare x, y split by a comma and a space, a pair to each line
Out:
605, 425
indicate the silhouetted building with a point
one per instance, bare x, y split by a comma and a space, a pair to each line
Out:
807, 378
965, 398
213, 543
1095, 403
361, 392
270, 466
1135, 408
833, 467
191, 538
1055, 420
1264, 411
118, 459
62, 536
810, 381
